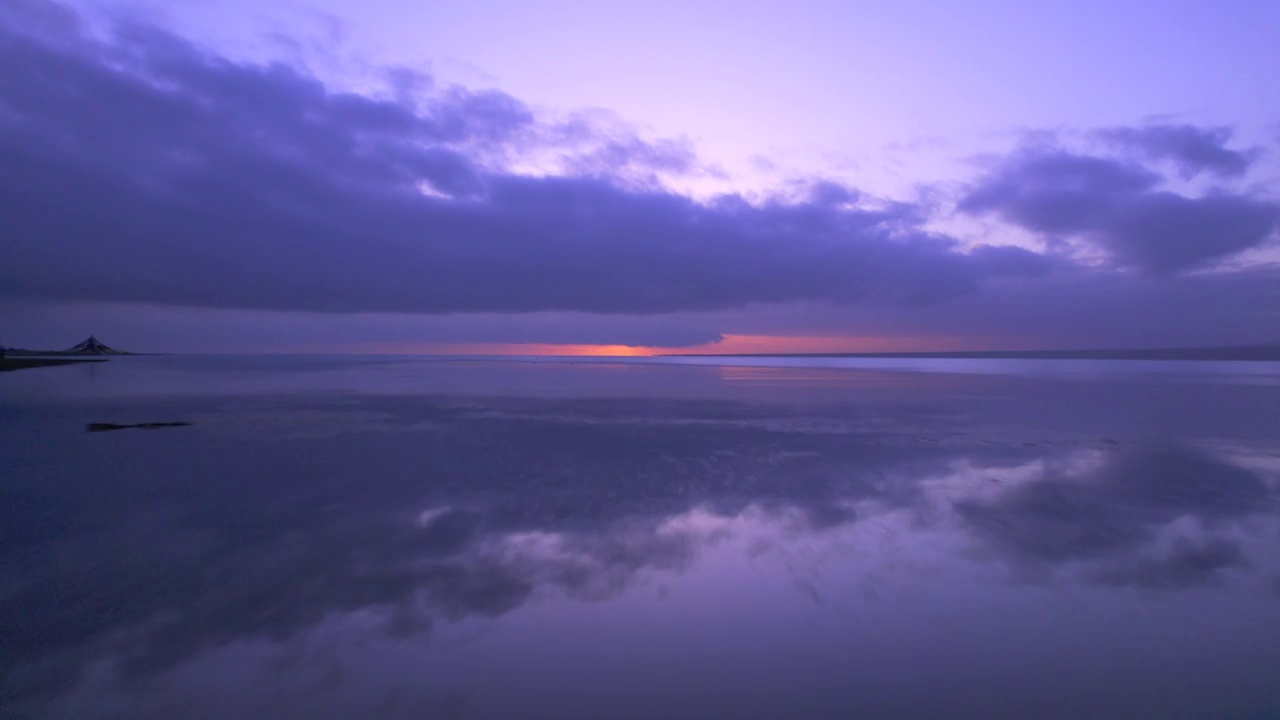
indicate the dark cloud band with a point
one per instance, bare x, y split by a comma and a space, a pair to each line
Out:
144, 169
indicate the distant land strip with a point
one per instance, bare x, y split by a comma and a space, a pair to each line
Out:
1242, 353
10, 363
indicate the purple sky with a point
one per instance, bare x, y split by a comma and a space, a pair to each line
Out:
225, 175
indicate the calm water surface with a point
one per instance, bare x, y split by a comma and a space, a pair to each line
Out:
390, 537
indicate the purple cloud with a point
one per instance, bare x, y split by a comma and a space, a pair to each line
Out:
1118, 207
144, 169
1193, 149
138, 168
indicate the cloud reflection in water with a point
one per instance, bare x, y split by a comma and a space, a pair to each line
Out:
452, 536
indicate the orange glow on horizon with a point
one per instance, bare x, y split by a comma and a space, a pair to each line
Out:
729, 345
507, 349
769, 344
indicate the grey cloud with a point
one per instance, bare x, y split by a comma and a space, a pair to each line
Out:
1165, 232
1193, 149
41, 18
1055, 191
147, 170
632, 157
1118, 206
1189, 563
597, 143
1079, 310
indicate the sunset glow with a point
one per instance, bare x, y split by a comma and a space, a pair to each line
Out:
730, 345
770, 344
508, 349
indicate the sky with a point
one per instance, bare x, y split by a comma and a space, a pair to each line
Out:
637, 178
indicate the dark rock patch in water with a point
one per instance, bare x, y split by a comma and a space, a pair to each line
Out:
104, 427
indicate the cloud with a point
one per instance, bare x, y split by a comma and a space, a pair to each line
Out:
1189, 563
142, 168
1117, 206
598, 143
1081, 309
1193, 149
138, 170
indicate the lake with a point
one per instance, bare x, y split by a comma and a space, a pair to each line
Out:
430, 537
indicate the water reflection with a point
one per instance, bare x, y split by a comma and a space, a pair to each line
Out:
1155, 516
508, 557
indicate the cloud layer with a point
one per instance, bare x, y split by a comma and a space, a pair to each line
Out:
1120, 208
143, 168
137, 167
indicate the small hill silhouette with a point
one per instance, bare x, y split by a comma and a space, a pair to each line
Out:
92, 346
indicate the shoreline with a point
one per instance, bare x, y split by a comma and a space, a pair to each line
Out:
8, 364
